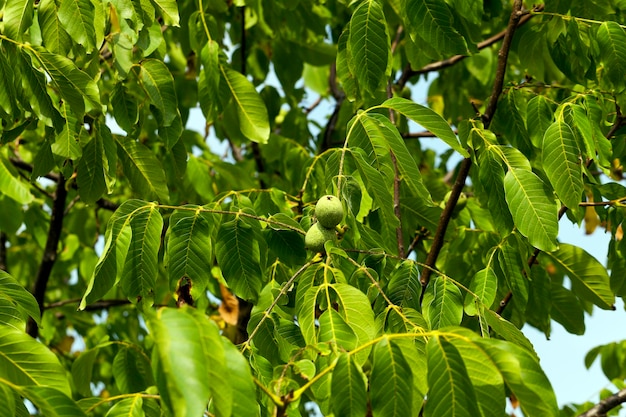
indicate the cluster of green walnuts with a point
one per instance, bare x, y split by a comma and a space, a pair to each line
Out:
329, 213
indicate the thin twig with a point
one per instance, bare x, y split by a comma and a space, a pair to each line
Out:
603, 407
3, 251
466, 164
98, 305
396, 204
50, 252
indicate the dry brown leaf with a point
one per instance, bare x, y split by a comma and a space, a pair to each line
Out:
229, 309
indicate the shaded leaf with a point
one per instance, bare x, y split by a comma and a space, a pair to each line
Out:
348, 388
238, 254
25, 362
143, 169
158, 83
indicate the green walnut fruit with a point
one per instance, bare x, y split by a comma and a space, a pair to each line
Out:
316, 237
460, 203
329, 211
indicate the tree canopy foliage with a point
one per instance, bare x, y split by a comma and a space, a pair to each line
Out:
160, 162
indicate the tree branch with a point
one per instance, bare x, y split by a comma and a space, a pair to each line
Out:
3, 251
466, 164
50, 251
609, 403
98, 305
408, 73
339, 98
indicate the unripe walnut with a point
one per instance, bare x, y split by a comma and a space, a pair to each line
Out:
329, 211
316, 236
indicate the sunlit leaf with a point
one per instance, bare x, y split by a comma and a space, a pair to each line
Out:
562, 163
127, 407
428, 119
141, 264
13, 187
17, 18
534, 211
19, 297
368, 42
590, 280
451, 392
238, 254
391, 382
158, 84
78, 19
25, 362
442, 305
199, 374
251, 110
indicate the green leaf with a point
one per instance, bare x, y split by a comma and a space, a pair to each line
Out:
127, 407
508, 331
131, 370
39, 98
589, 278
486, 380
368, 43
391, 381
25, 362
343, 61
189, 247
74, 85
66, 141
381, 133
169, 11
450, 392
404, 286
19, 297
348, 388
55, 38
141, 265
512, 266
90, 171
523, 376
251, 110
566, 309
18, 16
533, 209
428, 119
238, 254
491, 178
539, 116
484, 285
209, 81
562, 163
378, 187
51, 402
612, 46
8, 94
431, 21
116, 243
78, 19
442, 304
354, 306
240, 377
124, 108
334, 329
13, 187
190, 379
158, 83
143, 169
